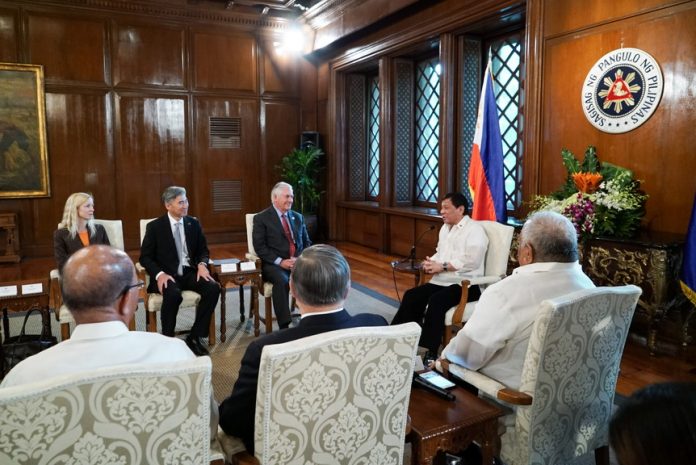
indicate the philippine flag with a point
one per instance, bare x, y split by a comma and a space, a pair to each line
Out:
486, 169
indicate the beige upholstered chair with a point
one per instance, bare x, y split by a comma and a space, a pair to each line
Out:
114, 229
128, 414
339, 397
568, 380
494, 268
266, 288
153, 301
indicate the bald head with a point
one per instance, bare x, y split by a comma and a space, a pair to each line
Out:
95, 277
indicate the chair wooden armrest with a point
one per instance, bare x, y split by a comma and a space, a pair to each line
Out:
144, 277
55, 295
244, 458
484, 384
458, 316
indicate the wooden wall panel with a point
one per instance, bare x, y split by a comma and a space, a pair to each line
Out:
151, 155
148, 54
561, 17
69, 48
130, 90
363, 227
401, 235
280, 70
240, 164
224, 61
660, 152
280, 133
8, 31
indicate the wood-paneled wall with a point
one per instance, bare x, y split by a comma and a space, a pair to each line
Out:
129, 93
661, 151
563, 41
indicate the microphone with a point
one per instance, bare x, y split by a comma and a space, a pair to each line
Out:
444, 393
412, 255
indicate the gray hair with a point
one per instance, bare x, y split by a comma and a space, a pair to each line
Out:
320, 276
552, 237
172, 192
279, 187
95, 277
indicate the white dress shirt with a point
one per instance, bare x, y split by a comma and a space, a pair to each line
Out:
463, 246
494, 340
98, 345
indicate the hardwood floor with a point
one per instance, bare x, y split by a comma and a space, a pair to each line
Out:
372, 269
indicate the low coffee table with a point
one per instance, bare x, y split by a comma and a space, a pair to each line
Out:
438, 424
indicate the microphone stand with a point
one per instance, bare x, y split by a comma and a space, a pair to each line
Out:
412, 255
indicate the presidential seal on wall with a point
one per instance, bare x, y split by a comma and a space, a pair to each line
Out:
622, 90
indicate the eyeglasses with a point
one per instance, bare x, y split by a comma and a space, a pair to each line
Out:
139, 285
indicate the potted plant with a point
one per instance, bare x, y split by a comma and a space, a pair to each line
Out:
300, 168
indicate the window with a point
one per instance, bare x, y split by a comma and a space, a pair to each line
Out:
427, 130
373, 138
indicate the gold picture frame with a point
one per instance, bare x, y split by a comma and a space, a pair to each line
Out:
23, 156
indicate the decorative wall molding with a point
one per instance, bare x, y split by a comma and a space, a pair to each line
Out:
182, 13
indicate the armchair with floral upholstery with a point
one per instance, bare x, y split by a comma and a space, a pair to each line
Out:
564, 403
339, 397
132, 414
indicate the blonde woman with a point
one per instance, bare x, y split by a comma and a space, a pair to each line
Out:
77, 229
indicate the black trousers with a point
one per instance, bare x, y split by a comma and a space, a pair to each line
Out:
280, 279
209, 291
438, 300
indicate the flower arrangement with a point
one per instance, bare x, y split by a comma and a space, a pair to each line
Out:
600, 199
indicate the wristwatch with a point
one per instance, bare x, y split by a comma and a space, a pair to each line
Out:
444, 266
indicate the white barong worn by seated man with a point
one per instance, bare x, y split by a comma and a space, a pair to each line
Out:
494, 340
464, 247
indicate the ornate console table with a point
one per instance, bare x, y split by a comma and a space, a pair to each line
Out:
651, 261
9, 245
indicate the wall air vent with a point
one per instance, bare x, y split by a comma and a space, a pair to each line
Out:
225, 133
227, 195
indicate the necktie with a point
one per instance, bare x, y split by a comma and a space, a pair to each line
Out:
288, 234
179, 248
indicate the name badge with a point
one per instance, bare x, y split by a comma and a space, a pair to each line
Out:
247, 266
8, 291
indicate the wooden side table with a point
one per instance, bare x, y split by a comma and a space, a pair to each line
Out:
441, 425
409, 266
239, 278
26, 297
8, 224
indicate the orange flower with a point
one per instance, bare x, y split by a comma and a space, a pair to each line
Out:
587, 182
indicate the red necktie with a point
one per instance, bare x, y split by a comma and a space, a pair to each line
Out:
288, 235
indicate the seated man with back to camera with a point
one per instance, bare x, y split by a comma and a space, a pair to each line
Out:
461, 248
279, 237
175, 254
320, 281
100, 286
494, 340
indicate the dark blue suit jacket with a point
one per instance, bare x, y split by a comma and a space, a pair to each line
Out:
158, 251
238, 410
269, 238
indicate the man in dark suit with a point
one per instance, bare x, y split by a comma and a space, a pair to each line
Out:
319, 282
279, 237
175, 254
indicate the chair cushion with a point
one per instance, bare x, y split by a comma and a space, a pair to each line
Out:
468, 311
267, 289
190, 299
64, 315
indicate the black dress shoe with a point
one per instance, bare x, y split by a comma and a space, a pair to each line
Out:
196, 346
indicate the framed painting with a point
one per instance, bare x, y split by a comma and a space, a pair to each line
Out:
23, 156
